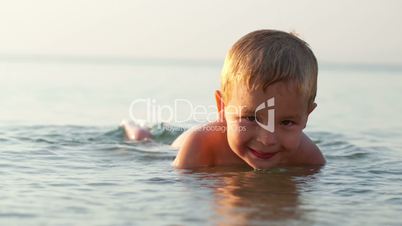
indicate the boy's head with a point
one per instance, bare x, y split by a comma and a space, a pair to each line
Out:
269, 83
264, 57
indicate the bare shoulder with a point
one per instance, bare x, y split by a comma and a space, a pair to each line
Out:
311, 154
196, 147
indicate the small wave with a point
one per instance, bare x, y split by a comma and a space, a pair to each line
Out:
102, 184
160, 180
16, 215
166, 133
162, 133
110, 136
63, 135
336, 146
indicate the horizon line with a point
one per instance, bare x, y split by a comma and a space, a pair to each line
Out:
164, 61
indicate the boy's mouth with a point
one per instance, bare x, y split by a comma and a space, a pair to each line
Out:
262, 155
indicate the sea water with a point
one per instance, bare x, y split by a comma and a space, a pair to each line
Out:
64, 159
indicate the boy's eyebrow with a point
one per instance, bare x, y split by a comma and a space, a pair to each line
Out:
290, 116
246, 110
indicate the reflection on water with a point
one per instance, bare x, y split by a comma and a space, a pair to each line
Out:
247, 197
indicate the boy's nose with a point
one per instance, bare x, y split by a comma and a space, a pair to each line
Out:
266, 138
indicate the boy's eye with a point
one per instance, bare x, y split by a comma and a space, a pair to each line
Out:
287, 122
250, 118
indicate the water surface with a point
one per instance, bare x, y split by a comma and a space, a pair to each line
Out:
64, 161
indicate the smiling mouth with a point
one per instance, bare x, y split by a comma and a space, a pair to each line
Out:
262, 155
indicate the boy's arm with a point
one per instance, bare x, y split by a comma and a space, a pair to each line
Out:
311, 152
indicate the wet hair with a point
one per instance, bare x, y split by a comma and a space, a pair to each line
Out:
264, 57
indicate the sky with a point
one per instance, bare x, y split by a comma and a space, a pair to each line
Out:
338, 31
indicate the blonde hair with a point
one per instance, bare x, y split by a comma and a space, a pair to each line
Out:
264, 57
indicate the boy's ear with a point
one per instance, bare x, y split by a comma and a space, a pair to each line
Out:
312, 107
220, 105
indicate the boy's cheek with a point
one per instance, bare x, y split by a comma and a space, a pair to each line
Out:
238, 134
236, 126
291, 141
232, 124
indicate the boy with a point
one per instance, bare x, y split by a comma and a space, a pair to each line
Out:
268, 87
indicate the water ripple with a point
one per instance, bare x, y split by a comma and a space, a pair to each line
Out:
78, 172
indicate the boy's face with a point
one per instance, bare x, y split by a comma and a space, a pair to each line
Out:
258, 147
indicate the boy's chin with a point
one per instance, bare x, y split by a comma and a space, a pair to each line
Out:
262, 164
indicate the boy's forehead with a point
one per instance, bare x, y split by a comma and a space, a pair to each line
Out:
285, 97
243, 93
